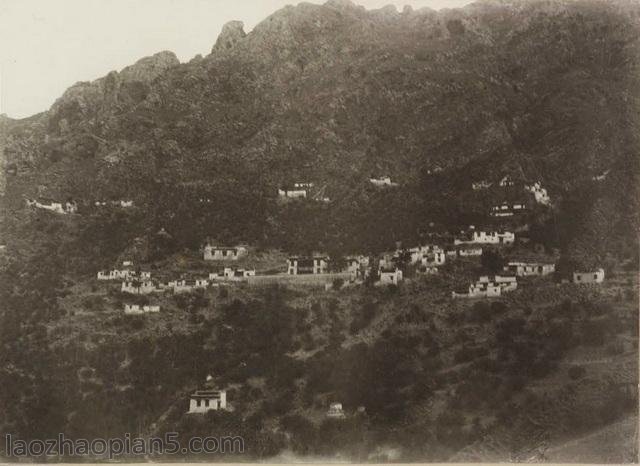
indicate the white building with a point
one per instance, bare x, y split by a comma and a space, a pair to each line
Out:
299, 190
539, 193
481, 185
231, 274
69, 207
505, 282
479, 290
529, 269
434, 258
202, 401
382, 181
391, 276
135, 309
589, 277
139, 287
469, 252
299, 265
506, 181
483, 237
221, 253
335, 411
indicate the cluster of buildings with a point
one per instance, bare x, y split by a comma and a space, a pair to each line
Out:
488, 287
539, 193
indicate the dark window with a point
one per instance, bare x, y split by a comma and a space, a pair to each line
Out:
206, 403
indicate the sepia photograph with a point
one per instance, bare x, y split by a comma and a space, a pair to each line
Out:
323, 231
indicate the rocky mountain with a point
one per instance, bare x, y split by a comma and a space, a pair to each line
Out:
334, 93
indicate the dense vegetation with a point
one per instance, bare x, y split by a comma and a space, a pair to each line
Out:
334, 94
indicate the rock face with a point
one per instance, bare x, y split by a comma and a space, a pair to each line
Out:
334, 91
232, 33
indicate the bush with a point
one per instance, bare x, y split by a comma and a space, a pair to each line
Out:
338, 283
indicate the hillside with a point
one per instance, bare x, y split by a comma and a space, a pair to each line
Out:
464, 109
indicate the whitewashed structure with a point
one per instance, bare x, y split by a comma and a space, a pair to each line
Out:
202, 401
469, 252
481, 185
135, 309
139, 287
529, 269
484, 237
69, 207
391, 276
596, 276
335, 411
298, 265
222, 253
382, 181
540, 194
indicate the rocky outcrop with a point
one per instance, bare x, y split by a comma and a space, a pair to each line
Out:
232, 33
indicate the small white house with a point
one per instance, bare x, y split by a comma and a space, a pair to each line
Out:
529, 269
135, 309
382, 181
335, 411
506, 182
469, 252
138, 287
479, 290
391, 276
222, 253
481, 185
596, 276
434, 258
202, 401
304, 265
299, 190
539, 193
505, 282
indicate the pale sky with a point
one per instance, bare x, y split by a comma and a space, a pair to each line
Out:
48, 45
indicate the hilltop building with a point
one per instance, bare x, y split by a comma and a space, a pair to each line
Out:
529, 269
222, 253
481, 185
596, 276
390, 276
507, 210
139, 287
487, 287
231, 274
539, 193
135, 309
69, 207
299, 265
506, 182
335, 411
202, 401
382, 181
482, 237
